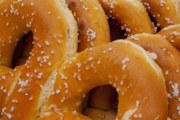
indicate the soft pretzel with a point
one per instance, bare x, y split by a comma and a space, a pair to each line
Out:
131, 14
167, 57
165, 12
91, 32
131, 21
92, 23
172, 34
55, 39
111, 64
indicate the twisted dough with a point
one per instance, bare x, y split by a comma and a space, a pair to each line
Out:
55, 39
131, 14
134, 20
92, 23
165, 12
8, 80
172, 34
110, 64
167, 57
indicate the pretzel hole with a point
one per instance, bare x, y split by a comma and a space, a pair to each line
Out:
102, 100
22, 50
155, 24
115, 30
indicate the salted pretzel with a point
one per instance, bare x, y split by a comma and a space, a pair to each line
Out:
167, 57
92, 22
172, 34
98, 27
55, 39
91, 32
165, 12
131, 14
131, 23
110, 64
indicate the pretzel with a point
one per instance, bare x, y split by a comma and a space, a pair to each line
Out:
172, 34
84, 19
130, 14
92, 23
55, 39
165, 12
110, 64
167, 57
91, 33
126, 19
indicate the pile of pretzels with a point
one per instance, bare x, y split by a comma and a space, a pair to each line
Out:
89, 60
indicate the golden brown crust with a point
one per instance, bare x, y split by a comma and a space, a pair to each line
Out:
167, 57
112, 64
131, 14
122, 64
55, 39
165, 12
172, 34
8, 80
92, 23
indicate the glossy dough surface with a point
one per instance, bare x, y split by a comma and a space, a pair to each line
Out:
78, 75
131, 14
92, 23
43, 77
168, 58
55, 32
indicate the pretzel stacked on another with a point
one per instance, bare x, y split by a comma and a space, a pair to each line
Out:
43, 77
